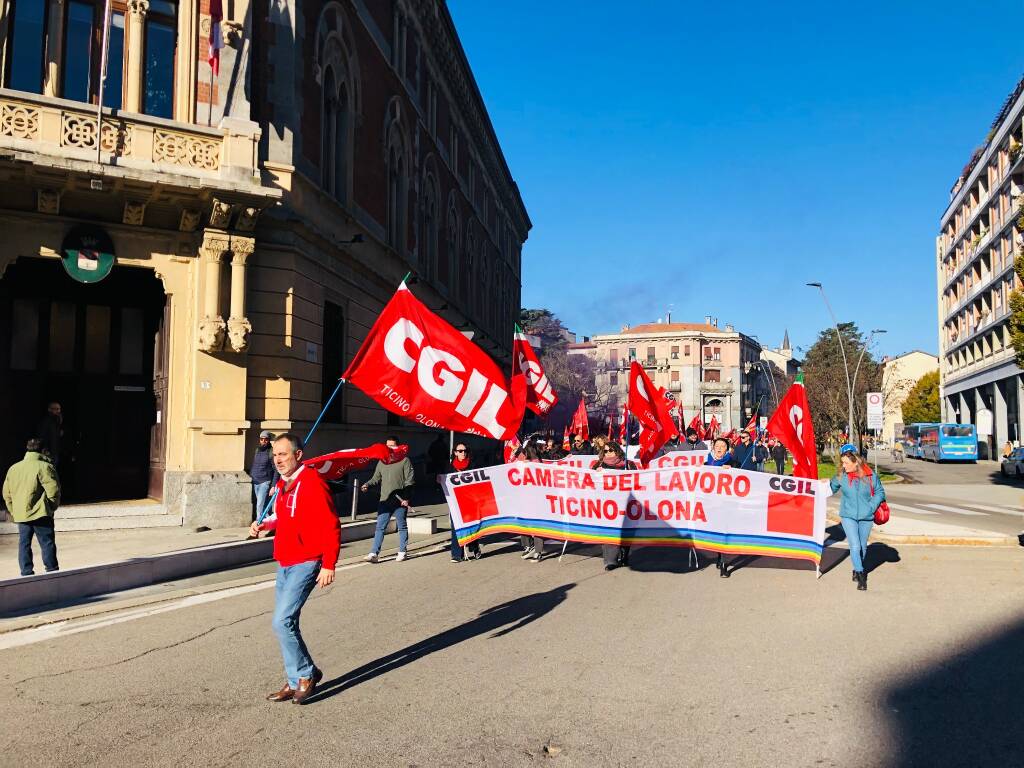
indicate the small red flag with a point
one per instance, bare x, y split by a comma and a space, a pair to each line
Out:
651, 408
580, 421
334, 466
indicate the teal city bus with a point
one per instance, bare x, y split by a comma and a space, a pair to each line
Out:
947, 442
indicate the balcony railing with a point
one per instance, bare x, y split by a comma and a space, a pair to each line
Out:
46, 125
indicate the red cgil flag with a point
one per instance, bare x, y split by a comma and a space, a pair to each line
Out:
540, 395
751, 425
565, 440
334, 466
624, 424
417, 365
580, 421
713, 427
511, 447
698, 425
791, 424
651, 408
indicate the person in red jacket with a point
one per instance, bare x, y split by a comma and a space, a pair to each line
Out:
306, 550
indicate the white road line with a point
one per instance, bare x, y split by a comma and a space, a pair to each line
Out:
957, 510
999, 510
74, 626
915, 510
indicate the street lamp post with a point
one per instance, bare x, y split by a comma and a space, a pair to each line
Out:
842, 349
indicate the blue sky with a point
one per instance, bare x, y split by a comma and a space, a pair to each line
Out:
717, 158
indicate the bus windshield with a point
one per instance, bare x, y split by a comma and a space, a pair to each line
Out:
957, 431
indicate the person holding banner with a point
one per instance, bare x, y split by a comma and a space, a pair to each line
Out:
461, 460
614, 458
533, 546
719, 455
395, 477
862, 493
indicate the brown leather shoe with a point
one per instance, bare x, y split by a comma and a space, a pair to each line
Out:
306, 687
285, 694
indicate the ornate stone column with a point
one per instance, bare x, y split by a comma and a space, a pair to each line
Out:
54, 49
239, 326
137, 10
212, 326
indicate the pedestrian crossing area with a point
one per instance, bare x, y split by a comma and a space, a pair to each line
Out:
966, 510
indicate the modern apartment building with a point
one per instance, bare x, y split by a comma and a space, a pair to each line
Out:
975, 250
203, 262
711, 371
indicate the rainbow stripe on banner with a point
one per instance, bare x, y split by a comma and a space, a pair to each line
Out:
717, 509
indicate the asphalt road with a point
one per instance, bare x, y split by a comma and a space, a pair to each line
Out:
484, 663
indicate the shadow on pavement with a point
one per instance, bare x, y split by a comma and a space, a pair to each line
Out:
879, 554
962, 710
497, 622
667, 560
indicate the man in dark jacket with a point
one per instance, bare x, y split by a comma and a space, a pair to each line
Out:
743, 454
760, 455
580, 447
779, 457
693, 443
262, 471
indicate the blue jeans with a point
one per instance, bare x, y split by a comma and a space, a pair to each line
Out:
384, 512
857, 532
456, 549
42, 529
262, 491
294, 583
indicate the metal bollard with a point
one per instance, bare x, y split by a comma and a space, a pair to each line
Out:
355, 496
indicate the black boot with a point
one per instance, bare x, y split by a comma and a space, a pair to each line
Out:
862, 581
854, 575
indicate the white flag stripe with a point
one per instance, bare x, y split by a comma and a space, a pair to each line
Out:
915, 510
957, 510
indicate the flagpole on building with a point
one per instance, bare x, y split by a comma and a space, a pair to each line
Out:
103, 79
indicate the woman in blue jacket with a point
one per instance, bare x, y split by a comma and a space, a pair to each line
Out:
720, 456
862, 492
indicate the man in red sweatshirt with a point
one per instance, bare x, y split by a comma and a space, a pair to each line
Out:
306, 550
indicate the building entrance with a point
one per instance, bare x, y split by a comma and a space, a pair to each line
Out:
90, 348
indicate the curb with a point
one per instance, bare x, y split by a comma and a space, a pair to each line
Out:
54, 615
882, 537
29, 592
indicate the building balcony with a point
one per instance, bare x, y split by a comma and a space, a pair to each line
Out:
46, 131
675, 386
716, 387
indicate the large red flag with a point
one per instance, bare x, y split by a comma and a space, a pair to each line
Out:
791, 424
419, 366
713, 427
540, 395
580, 421
334, 466
651, 408
698, 425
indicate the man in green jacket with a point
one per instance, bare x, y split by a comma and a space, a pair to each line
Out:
32, 493
396, 480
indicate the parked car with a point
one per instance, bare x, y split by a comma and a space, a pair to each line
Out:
1013, 465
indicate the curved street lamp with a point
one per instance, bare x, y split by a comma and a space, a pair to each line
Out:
842, 349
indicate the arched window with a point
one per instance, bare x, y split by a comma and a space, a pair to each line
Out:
337, 71
466, 275
397, 199
447, 267
430, 226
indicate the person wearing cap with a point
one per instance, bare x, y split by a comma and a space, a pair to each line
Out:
693, 442
262, 471
862, 493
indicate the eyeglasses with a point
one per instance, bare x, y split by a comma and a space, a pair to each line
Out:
460, 450
611, 453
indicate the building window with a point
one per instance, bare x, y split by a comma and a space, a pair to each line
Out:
333, 345
430, 228
397, 199
613, 357
632, 353
718, 353
650, 356
675, 376
26, 41
675, 353
686, 350
80, 33
335, 137
713, 375
613, 379
161, 48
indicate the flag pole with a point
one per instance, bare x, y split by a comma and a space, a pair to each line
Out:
103, 80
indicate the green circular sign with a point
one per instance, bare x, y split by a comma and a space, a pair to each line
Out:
87, 253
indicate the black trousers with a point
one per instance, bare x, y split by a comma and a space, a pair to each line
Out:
780, 466
42, 529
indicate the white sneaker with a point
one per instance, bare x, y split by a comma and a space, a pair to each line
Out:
400, 557
526, 554
371, 558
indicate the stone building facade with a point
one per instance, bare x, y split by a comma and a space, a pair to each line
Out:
711, 371
257, 220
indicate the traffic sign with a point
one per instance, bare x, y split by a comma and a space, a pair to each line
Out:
876, 411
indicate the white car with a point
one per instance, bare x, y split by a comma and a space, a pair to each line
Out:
1013, 465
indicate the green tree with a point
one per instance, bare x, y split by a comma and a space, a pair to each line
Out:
825, 381
1016, 321
922, 403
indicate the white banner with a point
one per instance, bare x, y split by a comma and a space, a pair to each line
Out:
712, 508
670, 459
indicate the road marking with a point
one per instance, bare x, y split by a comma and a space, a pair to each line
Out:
999, 510
915, 510
67, 627
957, 510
